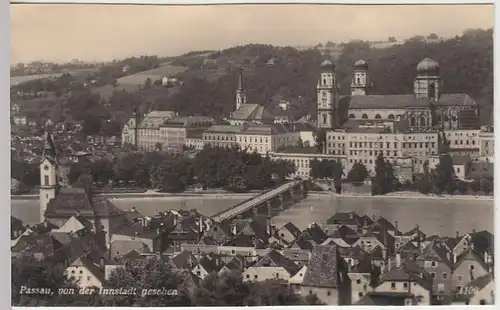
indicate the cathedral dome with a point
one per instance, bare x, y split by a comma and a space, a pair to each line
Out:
327, 65
428, 67
361, 65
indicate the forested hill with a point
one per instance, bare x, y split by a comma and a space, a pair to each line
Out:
466, 67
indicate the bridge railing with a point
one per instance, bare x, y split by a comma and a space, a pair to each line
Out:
264, 195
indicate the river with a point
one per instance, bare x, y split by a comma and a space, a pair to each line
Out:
434, 216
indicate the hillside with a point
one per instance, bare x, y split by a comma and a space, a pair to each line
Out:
466, 66
209, 79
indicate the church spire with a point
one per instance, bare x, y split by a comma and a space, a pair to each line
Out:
241, 96
49, 148
240, 79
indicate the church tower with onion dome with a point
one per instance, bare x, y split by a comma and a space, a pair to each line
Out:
327, 92
360, 83
427, 83
49, 173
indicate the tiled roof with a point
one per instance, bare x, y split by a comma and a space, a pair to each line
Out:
275, 259
345, 218
322, 270
353, 252
402, 101
208, 264
184, 260
408, 271
303, 243
252, 112
436, 250
71, 201
292, 229
316, 233
123, 247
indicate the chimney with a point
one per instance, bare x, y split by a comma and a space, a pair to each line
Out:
398, 260
373, 217
234, 229
133, 209
200, 224
396, 224
101, 264
351, 216
78, 213
486, 257
473, 231
458, 234
454, 258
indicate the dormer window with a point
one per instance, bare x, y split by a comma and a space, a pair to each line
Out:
46, 167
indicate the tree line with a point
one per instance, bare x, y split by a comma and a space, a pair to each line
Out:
233, 169
440, 180
226, 289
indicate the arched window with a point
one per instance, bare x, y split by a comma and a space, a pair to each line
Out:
378, 116
324, 81
364, 116
413, 121
439, 119
324, 118
351, 115
422, 121
390, 116
359, 81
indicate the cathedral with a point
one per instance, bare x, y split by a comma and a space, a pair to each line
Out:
428, 108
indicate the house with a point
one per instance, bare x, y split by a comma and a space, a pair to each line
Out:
352, 256
387, 299
370, 240
461, 165
480, 291
409, 279
288, 233
468, 267
272, 266
316, 234
343, 236
191, 283
361, 279
350, 219
297, 279
184, 260
220, 232
205, 266
236, 265
403, 238
88, 270
327, 277
303, 242
119, 248
437, 260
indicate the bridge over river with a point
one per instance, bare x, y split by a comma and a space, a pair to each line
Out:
276, 198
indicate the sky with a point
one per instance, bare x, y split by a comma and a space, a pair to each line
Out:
62, 32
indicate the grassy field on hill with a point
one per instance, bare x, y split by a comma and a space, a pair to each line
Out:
153, 74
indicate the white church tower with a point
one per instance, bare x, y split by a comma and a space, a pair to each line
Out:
241, 95
48, 173
360, 84
327, 92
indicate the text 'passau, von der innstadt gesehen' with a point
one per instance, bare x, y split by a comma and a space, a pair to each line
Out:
101, 291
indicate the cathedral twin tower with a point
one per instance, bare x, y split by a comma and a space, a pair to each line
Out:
328, 92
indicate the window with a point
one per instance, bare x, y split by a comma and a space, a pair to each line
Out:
364, 116
390, 116
248, 276
46, 179
88, 278
413, 121
255, 277
445, 275
405, 284
198, 273
377, 116
393, 285
459, 277
471, 267
358, 281
329, 293
433, 264
351, 115
433, 274
81, 271
482, 302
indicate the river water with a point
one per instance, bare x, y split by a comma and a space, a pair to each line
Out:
434, 216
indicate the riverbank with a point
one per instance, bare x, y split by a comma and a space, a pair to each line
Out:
223, 195
406, 195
